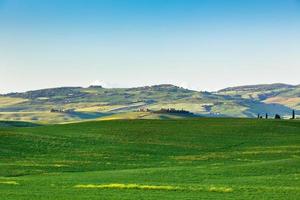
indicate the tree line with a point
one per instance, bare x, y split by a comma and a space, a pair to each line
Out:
277, 116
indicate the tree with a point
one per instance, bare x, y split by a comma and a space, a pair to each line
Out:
293, 116
277, 116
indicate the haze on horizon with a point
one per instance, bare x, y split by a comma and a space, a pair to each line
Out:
197, 44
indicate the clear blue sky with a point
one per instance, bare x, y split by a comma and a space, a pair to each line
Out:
199, 44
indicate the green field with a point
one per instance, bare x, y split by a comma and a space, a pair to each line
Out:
151, 159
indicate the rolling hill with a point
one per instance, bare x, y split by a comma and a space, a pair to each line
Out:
206, 158
283, 94
71, 104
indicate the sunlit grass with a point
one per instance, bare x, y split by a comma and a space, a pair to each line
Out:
120, 186
9, 101
129, 186
9, 182
220, 189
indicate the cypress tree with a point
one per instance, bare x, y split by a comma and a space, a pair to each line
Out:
293, 116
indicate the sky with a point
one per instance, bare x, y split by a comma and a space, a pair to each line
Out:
197, 44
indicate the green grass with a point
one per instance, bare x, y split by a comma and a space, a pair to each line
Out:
152, 159
17, 124
143, 115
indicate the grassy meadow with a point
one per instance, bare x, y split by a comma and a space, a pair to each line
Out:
199, 158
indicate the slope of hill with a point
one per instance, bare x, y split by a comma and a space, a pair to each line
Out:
69, 104
290, 98
258, 92
16, 124
152, 159
283, 94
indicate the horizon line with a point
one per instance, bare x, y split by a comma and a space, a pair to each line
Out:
150, 85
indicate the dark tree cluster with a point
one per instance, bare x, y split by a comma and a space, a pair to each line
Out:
277, 116
61, 111
56, 110
173, 111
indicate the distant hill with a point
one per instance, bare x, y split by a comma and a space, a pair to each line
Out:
283, 94
68, 104
261, 87
259, 92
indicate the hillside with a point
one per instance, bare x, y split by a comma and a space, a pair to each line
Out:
70, 104
152, 159
287, 95
258, 92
